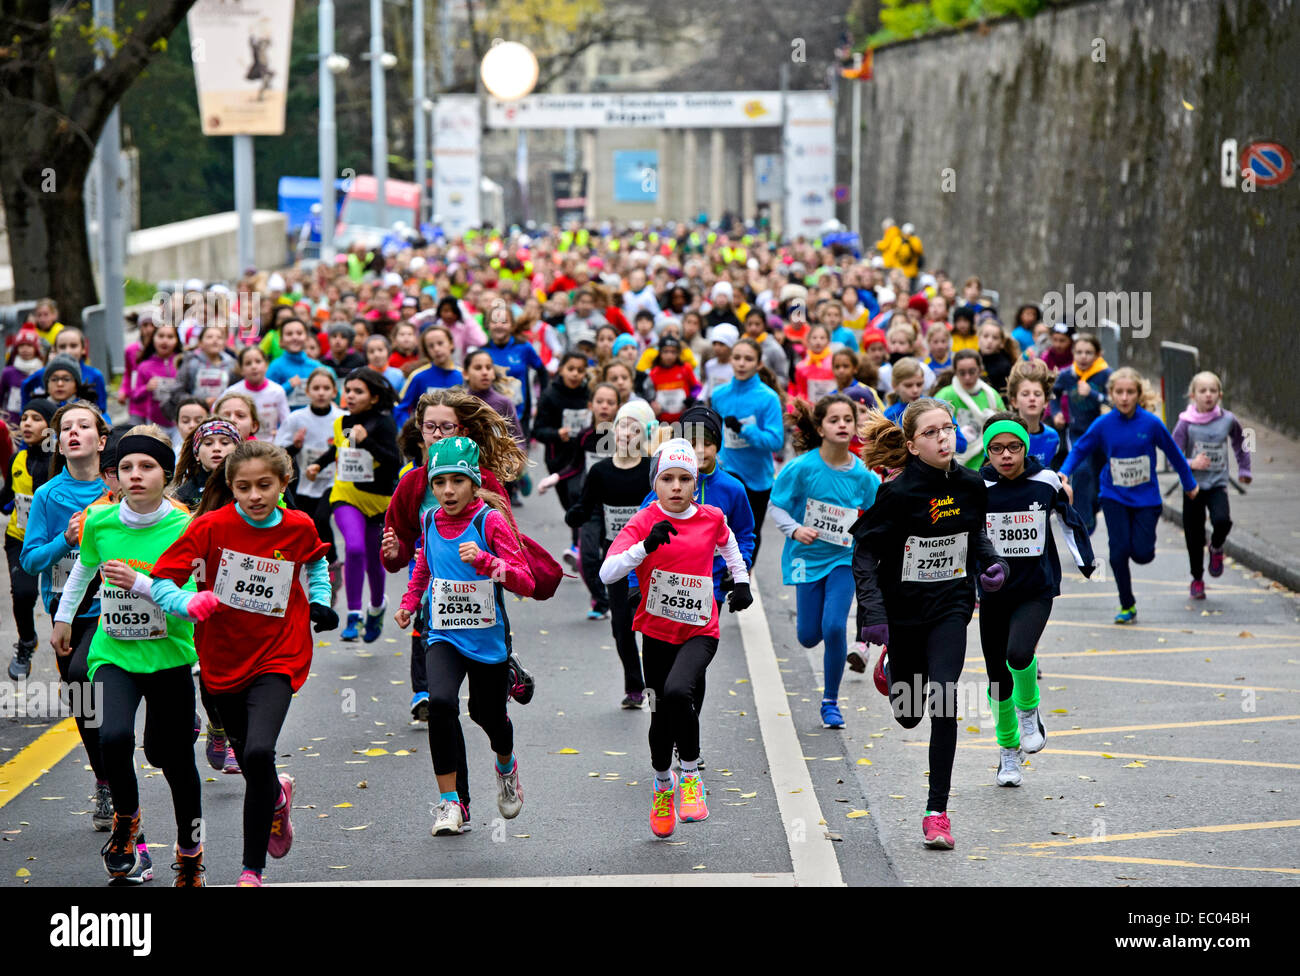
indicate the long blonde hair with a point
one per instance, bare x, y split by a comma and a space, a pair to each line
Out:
1146, 396
886, 441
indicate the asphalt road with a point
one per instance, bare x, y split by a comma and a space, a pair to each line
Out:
1171, 759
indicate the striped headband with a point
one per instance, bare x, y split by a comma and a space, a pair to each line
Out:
216, 426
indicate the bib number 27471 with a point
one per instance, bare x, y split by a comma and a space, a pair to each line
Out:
254, 583
934, 559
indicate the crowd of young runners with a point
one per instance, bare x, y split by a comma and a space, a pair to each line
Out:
301, 435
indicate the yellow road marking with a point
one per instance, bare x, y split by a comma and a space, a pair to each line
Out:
37, 759
1054, 733
1169, 650
1169, 832
1162, 862
1099, 754
1155, 681
1159, 630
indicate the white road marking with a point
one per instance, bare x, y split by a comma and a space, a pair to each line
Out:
811, 852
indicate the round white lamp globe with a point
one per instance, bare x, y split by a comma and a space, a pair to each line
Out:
509, 71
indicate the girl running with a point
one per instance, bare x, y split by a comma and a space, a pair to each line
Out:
813, 376
208, 371
190, 412
611, 495
676, 386
1202, 434
139, 652
24, 588
469, 545
973, 401
239, 409
306, 437
1023, 495
918, 550
510, 349
485, 380
1029, 388
292, 367
154, 379
752, 415
24, 360
816, 500
671, 544
563, 413
271, 404
365, 448
1130, 496
246, 554
50, 550
908, 379
1080, 393
438, 373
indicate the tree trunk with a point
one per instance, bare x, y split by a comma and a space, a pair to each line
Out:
45, 214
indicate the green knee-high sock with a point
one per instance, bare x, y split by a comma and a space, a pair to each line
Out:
1004, 720
1024, 685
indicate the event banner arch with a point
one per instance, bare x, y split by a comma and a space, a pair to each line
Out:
806, 118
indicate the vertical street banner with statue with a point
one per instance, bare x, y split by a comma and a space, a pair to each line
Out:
240, 50
810, 163
457, 171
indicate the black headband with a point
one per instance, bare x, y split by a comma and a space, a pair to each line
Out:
154, 448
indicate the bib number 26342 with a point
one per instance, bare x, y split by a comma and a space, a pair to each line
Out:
463, 604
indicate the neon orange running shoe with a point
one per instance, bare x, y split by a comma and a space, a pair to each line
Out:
692, 808
663, 819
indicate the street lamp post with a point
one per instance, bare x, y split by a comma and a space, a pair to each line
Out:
378, 110
328, 136
417, 101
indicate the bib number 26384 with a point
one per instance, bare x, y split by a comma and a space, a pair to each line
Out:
680, 597
254, 583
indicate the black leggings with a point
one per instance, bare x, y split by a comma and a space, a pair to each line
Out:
210, 706
320, 509
73, 671
254, 716
931, 654
758, 504
1009, 634
1215, 501
489, 689
621, 611
25, 590
590, 556
420, 682
169, 710
569, 492
672, 672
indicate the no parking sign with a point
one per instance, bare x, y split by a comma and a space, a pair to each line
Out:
1271, 163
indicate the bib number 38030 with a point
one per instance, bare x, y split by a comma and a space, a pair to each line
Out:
680, 597
463, 604
254, 583
1018, 534
934, 559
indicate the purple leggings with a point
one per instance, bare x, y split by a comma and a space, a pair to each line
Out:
361, 540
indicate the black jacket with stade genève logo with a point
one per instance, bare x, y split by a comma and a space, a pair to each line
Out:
926, 503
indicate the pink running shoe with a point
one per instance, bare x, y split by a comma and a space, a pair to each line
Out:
938, 832
230, 765
249, 879
881, 674
281, 829
1197, 590
1216, 561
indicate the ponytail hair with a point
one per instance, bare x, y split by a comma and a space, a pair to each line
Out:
805, 419
217, 493
886, 442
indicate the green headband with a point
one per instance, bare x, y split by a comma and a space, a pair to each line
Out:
1006, 427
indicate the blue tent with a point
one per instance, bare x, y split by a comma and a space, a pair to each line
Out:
298, 194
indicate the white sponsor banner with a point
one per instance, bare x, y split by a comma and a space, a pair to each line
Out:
666, 110
240, 50
456, 163
810, 163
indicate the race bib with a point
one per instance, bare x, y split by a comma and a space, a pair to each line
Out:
832, 522
254, 583
128, 617
576, 420
1018, 534
820, 388
680, 597
355, 464
731, 439
1216, 451
211, 381
60, 571
463, 604
298, 396
672, 401
22, 508
268, 421
166, 386
934, 559
14, 404
1130, 472
617, 516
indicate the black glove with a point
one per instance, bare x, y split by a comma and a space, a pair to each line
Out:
634, 598
573, 517
740, 597
324, 618
732, 424
658, 536
726, 583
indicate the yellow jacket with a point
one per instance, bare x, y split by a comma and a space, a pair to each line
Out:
908, 254
888, 244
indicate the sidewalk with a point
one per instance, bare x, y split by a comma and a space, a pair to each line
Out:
1266, 520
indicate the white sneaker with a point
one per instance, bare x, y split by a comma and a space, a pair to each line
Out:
448, 819
1009, 768
1032, 734
510, 797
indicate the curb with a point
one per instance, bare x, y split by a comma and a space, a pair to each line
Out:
1250, 550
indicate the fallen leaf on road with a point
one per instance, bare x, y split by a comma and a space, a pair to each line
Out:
22, 873
347, 677
855, 814
523, 836
362, 827
832, 759
976, 857
610, 752
749, 796
566, 751
1056, 687
897, 796
342, 806
362, 785
338, 867
864, 762
1099, 805
972, 728
698, 867
1135, 765
1060, 711
401, 752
